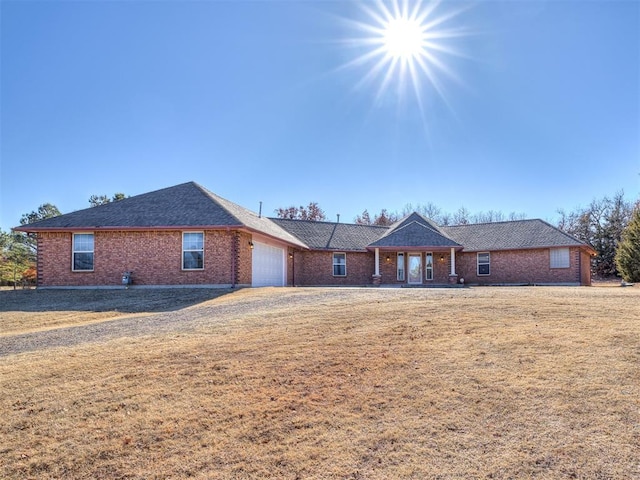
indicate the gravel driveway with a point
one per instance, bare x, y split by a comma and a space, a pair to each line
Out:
181, 320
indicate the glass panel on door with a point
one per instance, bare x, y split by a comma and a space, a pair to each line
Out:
415, 268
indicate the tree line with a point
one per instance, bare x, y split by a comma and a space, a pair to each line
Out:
611, 225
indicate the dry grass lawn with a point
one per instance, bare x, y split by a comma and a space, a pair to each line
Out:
497, 383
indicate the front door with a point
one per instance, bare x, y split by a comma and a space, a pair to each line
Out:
415, 268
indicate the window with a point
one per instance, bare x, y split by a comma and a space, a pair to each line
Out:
339, 264
192, 250
400, 266
428, 267
82, 252
559, 257
484, 263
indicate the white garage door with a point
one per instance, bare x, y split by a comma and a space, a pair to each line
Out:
268, 265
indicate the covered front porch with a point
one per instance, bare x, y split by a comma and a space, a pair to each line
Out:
415, 252
425, 267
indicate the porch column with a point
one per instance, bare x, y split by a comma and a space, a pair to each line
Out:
453, 261
377, 278
453, 277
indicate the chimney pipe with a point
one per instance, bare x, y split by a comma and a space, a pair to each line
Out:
338, 217
260, 211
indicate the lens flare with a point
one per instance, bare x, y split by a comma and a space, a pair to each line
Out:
404, 46
403, 38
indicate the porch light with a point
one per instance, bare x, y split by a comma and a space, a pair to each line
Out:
250, 244
290, 254
388, 259
442, 258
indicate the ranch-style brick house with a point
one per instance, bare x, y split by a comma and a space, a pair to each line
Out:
186, 235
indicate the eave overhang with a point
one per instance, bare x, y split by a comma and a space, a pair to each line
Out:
587, 248
418, 248
297, 244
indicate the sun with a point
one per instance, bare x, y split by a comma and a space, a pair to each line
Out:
403, 46
403, 38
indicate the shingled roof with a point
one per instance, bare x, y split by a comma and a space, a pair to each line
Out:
331, 235
512, 235
414, 231
187, 205
190, 205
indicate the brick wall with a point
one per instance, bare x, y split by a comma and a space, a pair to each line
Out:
244, 262
508, 267
389, 272
316, 268
523, 266
154, 257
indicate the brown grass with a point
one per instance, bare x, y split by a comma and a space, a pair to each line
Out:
355, 383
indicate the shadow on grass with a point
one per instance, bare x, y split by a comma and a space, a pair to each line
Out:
101, 300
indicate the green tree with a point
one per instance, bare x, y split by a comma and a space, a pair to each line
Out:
628, 252
44, 211
17, 257
95, 200
18, 250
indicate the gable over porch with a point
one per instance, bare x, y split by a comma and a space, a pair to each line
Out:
415, 251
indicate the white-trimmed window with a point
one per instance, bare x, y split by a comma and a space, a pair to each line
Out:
484, 263
82, 252
559, 258
428, 266
192, 250
339, 264
400, 266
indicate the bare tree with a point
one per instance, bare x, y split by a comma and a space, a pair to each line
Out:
363, 219
600, 225
310, 212
385, 218
462, 217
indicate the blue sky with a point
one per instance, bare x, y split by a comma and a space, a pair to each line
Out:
531, 106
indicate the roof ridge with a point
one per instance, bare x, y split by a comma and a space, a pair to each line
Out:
326, 222
495, 223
